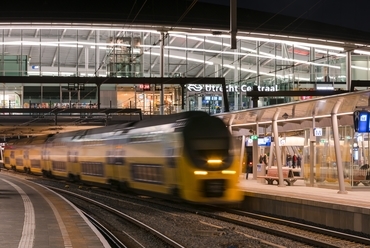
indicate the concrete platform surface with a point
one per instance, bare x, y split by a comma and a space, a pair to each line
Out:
348, 210
33, 216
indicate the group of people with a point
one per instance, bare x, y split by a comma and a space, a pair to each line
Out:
294, 161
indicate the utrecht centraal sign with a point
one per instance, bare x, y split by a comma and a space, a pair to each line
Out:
229, 88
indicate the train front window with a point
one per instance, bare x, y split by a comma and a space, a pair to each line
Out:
210, 153
210, 144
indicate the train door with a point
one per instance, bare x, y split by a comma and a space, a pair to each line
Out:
1, 156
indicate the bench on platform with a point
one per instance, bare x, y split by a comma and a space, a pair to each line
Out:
273, 175
361, 176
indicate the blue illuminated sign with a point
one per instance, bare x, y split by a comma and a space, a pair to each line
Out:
265, 141
361, 121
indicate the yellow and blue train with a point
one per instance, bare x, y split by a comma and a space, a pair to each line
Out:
189, 156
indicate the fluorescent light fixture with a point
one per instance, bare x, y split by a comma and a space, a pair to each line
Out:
360, 68
291, 43
181, 57
325, 88
362, 52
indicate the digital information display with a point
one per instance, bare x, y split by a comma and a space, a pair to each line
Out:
262, 141
361, 121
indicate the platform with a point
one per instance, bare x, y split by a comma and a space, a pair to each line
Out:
349, 211
33, 216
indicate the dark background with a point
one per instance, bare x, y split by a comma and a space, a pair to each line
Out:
323, 19
350, 14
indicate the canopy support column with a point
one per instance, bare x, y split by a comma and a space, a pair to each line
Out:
334, 121
242, 150
277, 147
256, 153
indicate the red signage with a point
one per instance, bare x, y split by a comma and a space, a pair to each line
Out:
144, 86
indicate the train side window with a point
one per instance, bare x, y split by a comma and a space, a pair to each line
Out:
115, 157
92, 169
12, 154
149, 173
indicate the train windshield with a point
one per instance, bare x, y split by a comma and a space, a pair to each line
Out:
208, 143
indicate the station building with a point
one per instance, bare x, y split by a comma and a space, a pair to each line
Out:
39, 44
41, 47
270, 62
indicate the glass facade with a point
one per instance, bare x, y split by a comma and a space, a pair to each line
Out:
287, 63
323, 158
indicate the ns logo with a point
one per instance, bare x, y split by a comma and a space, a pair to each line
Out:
194, 87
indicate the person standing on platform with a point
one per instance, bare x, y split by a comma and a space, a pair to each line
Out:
299, 161
289, 160
249, 169
264, 159
294, 160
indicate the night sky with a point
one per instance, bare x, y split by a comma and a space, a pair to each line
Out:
351, 14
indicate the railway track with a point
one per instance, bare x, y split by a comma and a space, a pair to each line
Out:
332, 236
292, 230
222, 220
113, 241
162, 239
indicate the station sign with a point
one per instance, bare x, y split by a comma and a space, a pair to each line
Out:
229, 88
317, 132
361, 121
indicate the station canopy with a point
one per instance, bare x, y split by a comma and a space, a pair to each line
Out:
299, 115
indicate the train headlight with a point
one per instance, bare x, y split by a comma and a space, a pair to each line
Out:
203, 173
229, 172
214, 161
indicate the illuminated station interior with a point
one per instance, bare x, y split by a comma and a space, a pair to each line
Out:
269, 62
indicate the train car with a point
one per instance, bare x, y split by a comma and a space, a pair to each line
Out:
13, 155
188, 156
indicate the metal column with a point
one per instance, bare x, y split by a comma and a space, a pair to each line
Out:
258, 63
312, 67
256, 153
338, 154
236, 96
242, 150
97, 53
233, 23
161, 72
86, 61
277, 147
348, 70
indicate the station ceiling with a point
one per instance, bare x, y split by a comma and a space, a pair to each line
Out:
68, 35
